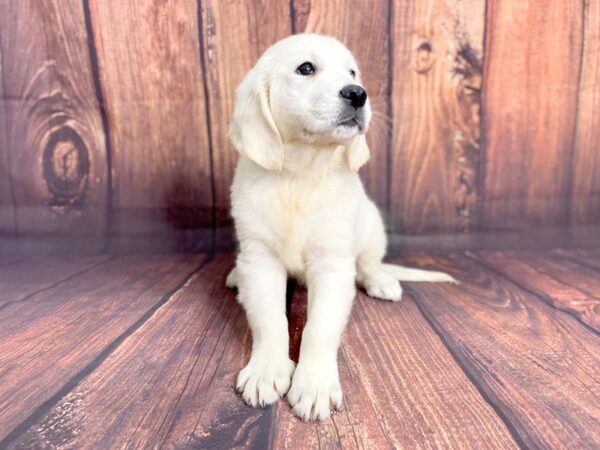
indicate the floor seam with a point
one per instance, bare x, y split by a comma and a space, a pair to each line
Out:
56, 283
543, 298
43, 409
472, 377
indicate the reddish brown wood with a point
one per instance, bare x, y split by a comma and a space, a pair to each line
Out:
561, 282
256, 25
437, 58
51, 132
402, 388
152, 82
589, 258
370, 45
538, 366
7, 210
171, 383
22, 279
53, 339
531, 74
585, 168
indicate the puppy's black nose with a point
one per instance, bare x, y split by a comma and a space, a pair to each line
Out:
355, 93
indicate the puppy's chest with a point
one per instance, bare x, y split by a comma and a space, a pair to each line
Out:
295, 218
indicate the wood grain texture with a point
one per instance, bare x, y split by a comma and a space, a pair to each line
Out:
531, 74
585, 168
51, 132
537, 365
256, 25
23, 279
402, 388
560, 281
170, 384
48, 342
437, 65
589, 257
152, 82
367, 36
7, 207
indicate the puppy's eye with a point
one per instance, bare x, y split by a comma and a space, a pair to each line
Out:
305, 68
352, 73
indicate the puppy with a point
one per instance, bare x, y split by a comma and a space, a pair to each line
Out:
300, 210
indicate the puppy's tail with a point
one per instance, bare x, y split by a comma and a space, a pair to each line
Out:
409, 274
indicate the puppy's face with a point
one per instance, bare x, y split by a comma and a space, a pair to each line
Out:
316, 93
305, 88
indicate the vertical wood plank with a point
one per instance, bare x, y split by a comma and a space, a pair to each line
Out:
530, 98
585, 170
437, 65
151, 78
235, 34
52, 129
364, 27
7, 211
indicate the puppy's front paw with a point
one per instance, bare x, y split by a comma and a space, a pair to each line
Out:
264, 380
315, 390
383, 286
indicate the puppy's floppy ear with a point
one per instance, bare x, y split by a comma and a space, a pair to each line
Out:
252, 131
357, 152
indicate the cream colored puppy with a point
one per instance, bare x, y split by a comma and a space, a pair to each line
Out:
300, 210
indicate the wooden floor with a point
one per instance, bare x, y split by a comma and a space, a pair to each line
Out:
142, 351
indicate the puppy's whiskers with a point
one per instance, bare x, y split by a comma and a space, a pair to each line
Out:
382, 122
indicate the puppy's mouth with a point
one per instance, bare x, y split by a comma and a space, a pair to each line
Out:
351, 122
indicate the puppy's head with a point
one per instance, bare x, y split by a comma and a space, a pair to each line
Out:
306, 88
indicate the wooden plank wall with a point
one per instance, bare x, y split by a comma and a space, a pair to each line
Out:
113, 118
52, 138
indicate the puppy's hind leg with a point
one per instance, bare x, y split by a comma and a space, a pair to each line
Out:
383, 280
369, 268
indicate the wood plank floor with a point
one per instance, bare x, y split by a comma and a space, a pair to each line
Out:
142, 352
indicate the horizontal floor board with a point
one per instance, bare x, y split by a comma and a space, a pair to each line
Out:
402, 388
171, 384
27, 276
537, 365
51, 339
560, 280
589, 258
144, 351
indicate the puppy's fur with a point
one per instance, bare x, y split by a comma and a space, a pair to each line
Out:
300, 210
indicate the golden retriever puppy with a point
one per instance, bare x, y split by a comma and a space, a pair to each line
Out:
300, 210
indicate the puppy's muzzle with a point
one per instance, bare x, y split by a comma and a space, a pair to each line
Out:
355, 94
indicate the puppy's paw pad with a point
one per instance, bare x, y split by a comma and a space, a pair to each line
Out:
383, 286
315, 392
263, 381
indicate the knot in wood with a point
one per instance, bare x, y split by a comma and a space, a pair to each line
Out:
424, 57
66, 166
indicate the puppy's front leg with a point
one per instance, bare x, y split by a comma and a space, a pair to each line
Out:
316, 385
261, 283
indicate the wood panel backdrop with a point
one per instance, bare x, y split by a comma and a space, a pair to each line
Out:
113, 115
